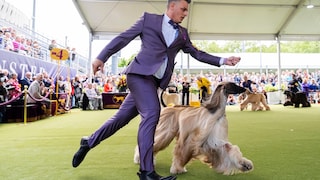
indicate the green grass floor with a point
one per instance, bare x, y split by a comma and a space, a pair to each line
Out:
284, 144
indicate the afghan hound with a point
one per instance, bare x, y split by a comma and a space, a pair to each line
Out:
255, 99
201, 133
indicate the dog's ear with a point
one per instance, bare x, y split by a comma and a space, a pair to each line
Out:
228, 146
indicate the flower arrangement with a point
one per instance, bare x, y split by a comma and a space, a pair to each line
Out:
122, 84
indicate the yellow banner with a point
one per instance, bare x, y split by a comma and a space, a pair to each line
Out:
59, 54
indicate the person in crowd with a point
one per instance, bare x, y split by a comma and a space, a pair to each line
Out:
108, 87
313, 86
68, 91
77, 86
13, 86
52, 45
247, 83
305, 87
95, 100
231, 100
150, 69
18, 46
37, 91
7, 41
294, 84
204, 85
172, 87
185, 91
1, 39
26, 81
47, 81
3, 98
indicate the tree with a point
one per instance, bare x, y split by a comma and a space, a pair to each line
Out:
123, 62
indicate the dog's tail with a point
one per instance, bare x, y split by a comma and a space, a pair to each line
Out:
161, 99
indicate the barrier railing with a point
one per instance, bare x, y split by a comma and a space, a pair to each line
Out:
25, 93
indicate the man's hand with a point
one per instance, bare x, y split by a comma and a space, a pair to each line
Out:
232, 61
97, 65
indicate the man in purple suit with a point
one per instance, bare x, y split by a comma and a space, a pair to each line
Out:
162, 38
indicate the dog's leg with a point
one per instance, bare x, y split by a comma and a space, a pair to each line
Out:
264, 102
231, 160
181, 156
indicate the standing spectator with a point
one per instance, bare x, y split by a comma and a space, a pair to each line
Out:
247, 83
294, 85
77, 86
150, 69
204, 86
52, 45
305, 87
185, 91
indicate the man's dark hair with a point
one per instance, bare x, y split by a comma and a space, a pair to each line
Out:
169, 1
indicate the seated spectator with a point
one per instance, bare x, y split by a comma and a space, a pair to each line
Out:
18, 45
36, 92
108, 87
26, 81
13, 86
3, 98
7, 41
95, 100
313, 86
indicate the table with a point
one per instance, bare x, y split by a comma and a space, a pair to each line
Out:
113, 100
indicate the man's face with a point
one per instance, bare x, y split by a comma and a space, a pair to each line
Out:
180, 10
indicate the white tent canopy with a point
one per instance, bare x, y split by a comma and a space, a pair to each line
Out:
211, 19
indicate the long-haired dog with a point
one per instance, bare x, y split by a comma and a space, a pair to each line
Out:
296, 99
201, 133
255, 99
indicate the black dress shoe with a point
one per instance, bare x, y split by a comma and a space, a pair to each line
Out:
152, 175
81, 153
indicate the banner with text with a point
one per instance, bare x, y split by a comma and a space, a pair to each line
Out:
20, 64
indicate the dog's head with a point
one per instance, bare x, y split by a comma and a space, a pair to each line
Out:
231, 88
288, 93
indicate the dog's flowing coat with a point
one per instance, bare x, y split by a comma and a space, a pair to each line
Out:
201, 133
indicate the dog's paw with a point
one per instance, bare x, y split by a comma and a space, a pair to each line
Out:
174, 170
246, 165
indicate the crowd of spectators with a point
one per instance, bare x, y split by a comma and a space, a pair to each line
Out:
11, 85
13, 41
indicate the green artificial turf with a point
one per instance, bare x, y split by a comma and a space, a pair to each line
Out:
284, 144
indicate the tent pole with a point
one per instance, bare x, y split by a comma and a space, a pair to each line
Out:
279, 67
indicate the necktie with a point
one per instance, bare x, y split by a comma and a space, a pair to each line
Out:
173, 24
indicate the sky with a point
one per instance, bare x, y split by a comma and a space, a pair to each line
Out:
56, 19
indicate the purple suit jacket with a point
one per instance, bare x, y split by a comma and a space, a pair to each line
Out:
154, 49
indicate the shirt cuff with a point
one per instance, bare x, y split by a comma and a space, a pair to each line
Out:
222, 61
